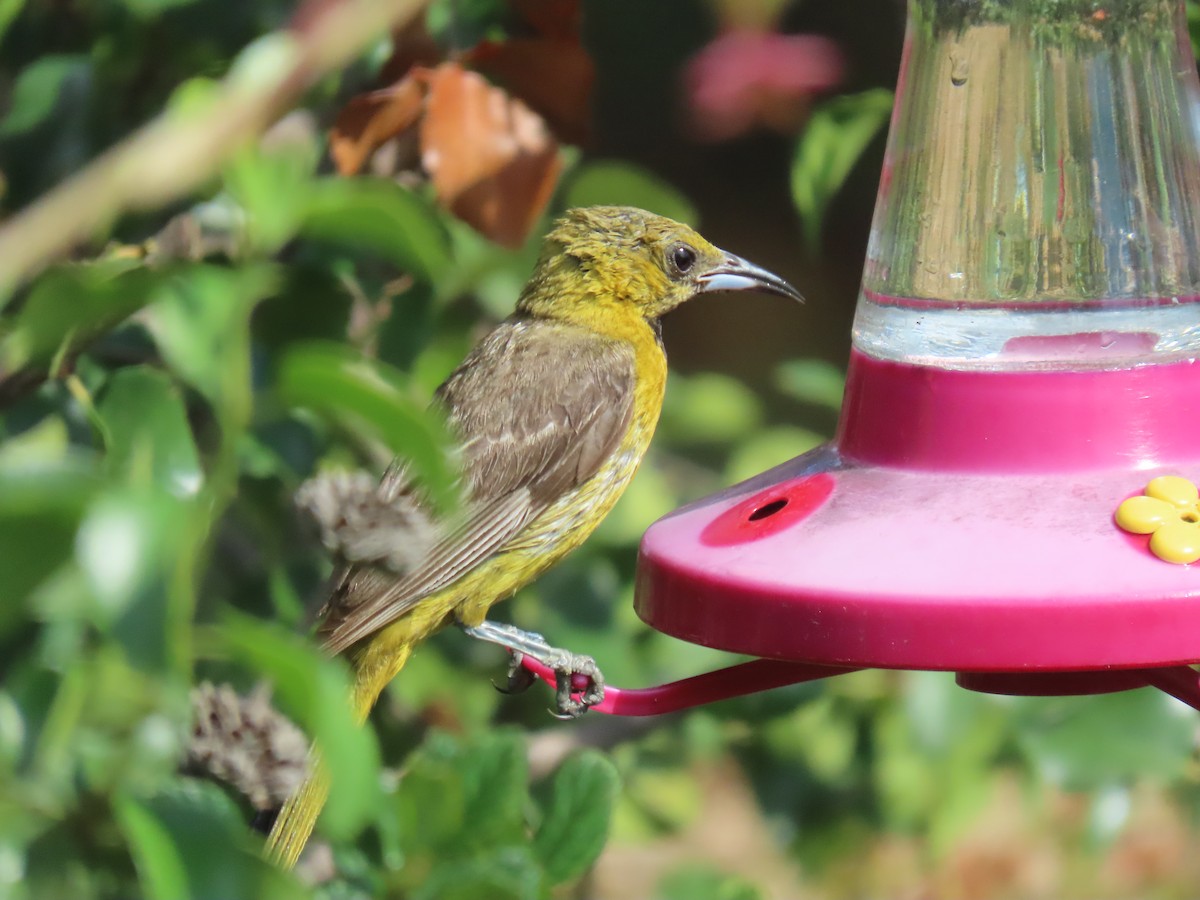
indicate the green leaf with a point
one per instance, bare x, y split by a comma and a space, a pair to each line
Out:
368, 398
621, 184
508, 873
703, 883
149, 439
13, 734
495, 778
767, 448
273, 191
493, 275
431, 802
38, 87
836, 136
575, 826
69, 308
315, 691
311, 305
710, 407
147, 9
9, 10
460, 794
937, 757
38, 446
656, 801
190, 842
129, 547
200, 323
381, 217
40, 508
1089, 742
409, 328
159, 860
812, 381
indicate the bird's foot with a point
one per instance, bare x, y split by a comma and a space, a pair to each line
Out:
574, 674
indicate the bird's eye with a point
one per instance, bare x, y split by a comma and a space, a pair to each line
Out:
683, 257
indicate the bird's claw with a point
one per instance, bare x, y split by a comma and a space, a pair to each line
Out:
575, 674
519, 680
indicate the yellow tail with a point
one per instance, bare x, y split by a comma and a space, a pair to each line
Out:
374, 668
295, 823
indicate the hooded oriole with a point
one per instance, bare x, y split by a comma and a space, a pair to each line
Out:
554, 410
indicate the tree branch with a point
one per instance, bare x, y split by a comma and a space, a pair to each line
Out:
181, 149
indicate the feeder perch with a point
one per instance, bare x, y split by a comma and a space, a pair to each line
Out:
1024, 363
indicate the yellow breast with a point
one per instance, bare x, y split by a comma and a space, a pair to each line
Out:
566, 523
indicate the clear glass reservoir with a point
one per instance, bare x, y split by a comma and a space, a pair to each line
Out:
1040, 199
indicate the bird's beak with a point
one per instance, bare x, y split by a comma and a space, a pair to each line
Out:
735, 274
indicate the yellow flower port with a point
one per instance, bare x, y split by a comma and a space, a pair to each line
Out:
1169, 511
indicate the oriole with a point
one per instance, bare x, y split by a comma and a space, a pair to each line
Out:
554, 410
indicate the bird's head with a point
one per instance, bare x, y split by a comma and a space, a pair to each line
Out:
618, 259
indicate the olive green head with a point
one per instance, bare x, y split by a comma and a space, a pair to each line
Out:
627, 259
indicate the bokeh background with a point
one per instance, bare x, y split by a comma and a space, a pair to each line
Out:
272, 294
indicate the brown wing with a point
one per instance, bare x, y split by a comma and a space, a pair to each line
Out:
538, 407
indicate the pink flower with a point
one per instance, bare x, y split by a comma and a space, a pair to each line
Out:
744, 79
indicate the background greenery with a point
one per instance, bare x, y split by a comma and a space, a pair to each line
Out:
159, 409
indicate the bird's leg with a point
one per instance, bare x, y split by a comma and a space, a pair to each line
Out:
573, 673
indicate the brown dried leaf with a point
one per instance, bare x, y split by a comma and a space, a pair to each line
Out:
370, 120
491, 158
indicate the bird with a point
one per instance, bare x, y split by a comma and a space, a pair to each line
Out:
553, 411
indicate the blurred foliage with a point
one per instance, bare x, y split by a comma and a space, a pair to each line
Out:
160, 406
836, 136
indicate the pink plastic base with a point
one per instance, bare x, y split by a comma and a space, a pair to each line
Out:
962, 521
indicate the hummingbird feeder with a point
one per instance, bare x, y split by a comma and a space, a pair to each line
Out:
1010, 494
